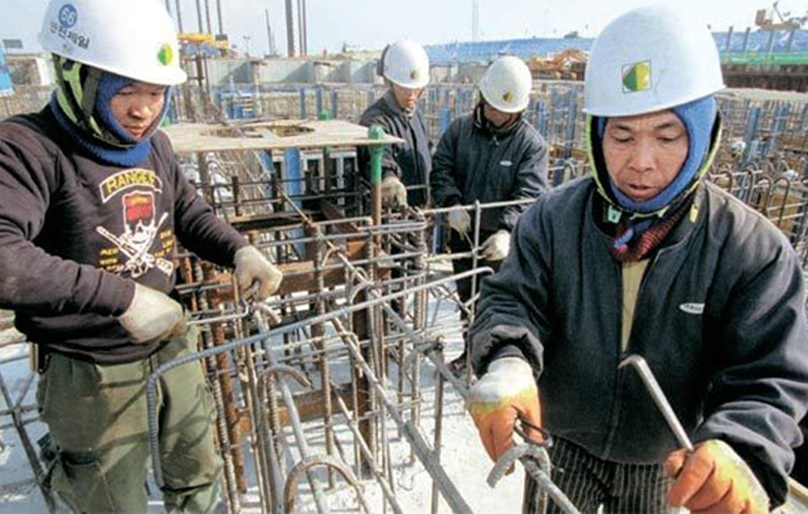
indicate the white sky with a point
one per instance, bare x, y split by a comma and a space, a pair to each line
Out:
369, 24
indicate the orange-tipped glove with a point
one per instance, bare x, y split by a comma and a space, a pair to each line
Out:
714, 479
507, 392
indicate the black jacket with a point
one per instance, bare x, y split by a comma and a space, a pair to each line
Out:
720, 318
412, 161
472, 164
76, 234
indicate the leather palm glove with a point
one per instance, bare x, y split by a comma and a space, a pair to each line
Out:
714, 479
459, 221
497, 246
507, 392
252, 268
153, 316
394, 194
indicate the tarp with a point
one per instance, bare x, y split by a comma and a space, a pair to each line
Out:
5, 76
758, 41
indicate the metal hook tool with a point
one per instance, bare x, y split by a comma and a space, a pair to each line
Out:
651, 384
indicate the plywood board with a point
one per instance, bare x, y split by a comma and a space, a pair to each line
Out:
275, 135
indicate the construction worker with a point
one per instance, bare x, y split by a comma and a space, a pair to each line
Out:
92, 206
490, 155
645, 257
406, 167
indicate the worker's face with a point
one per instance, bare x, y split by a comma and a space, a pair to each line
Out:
496, 117
644, 153
137, 106
407, 98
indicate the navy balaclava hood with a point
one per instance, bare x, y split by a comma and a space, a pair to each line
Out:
82, 106
699, 118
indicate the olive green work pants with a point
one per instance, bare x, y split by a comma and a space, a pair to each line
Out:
97, 417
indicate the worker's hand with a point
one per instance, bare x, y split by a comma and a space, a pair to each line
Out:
459, 220
251, 268
153, 316
714, 479
394, 194
507, 392
496, 247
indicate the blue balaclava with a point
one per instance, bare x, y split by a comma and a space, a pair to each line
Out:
81, 105
699, 118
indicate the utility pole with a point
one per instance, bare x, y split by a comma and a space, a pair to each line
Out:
207, 16
179, 17
199, 16
290, 28
219, 14
475, 20
270, 38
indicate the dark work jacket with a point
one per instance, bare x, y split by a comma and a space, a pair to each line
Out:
720, 319
472, 164
412, 161
76, 234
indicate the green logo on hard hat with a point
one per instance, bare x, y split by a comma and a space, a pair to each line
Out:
165, 55
507, 97
415, 75
637, 77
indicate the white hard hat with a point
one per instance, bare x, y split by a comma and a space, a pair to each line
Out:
648, 60
506, 84
136, 40
406, 64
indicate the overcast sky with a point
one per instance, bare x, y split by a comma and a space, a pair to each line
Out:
369, 24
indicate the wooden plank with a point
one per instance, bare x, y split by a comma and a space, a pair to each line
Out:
275, 135
304, 278
310, 406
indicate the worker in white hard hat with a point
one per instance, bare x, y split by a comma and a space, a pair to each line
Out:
491, 155
92, 207
646, 258
404, 66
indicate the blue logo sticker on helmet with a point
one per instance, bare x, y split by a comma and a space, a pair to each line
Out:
68, 15
637, 77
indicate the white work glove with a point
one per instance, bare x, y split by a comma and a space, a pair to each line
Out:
251, 268
153, 316
506, 392
714, 478
394, 194
459, 220
496, 247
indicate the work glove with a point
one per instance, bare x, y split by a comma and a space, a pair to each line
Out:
394, 194
507, 392
253, 269
496, 247
459, 221
714, 479
153, 316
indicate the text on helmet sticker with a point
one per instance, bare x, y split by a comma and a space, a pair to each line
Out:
637, 77
68, 16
